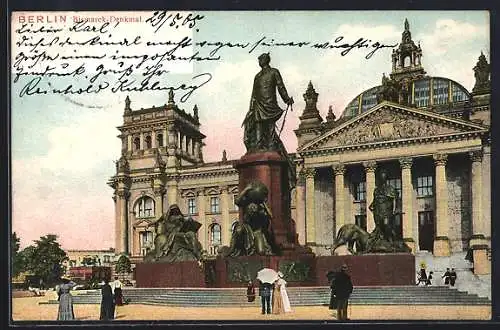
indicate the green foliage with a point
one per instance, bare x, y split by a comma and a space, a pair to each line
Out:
123, 265
16, 256
45, 258
89, 261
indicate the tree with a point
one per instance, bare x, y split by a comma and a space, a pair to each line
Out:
123, 266
16, 256
89, 261
45, 259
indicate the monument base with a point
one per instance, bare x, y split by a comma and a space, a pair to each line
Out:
169, 275
370, 269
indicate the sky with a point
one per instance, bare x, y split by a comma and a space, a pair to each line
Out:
63, 148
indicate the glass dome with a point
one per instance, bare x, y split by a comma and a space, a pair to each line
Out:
427, 92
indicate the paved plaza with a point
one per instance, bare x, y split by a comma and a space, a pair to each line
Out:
29, 309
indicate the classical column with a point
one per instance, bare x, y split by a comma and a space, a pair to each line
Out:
123, 196
407, 202
441, 241
478, 240
226, 220
201, 206
129, 143
158, 191
487, 191
172, 191
310, 219
141, 138
153, 139
300, 221
370, 168
339, 171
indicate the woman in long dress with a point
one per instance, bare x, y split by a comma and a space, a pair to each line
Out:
284, 295
277, 300
107, 303
65, 300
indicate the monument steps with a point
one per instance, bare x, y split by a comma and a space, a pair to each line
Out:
299, 296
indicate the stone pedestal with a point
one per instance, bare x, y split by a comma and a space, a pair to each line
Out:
482, 265
370, 269
169, 275
270, 168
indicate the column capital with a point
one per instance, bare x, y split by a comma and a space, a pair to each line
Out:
440, 159
310, 172
158, 190
123, 193
406, 162
338, 169
370, 166
301, 177
476, 156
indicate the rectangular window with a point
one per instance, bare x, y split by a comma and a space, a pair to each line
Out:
425, 186
440, 91
146, 237
214, 205
422, 93
360, 221
396, 184
191, 205
360, 191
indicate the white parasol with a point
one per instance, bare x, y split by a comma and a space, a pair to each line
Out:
267, 275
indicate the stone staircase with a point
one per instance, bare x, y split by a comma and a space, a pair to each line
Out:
299, 296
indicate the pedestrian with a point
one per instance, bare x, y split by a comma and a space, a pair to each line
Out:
446, 276
429, 278
277, 300
107, 302
453, 277
342, 290
422, 276
265, 290
65, 311
250, 291
287, 308
116, 286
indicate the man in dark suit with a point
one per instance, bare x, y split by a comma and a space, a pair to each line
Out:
342, 290
259, 132
265, 290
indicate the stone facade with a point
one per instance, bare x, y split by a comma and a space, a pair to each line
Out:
429, 133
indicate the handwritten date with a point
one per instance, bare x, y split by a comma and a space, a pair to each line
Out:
176, 20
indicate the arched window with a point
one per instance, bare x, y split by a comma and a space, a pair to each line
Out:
137, 143
159, 139
215, 235
148, 142
145, 207
406, 61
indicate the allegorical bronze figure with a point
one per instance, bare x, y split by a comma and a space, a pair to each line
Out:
259, 124
175, 239
253, 235
383, 239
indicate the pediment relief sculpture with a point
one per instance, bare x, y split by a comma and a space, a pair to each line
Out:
386, 124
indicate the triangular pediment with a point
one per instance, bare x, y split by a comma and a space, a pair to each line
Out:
388, 122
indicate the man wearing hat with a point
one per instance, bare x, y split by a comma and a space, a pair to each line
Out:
342, 290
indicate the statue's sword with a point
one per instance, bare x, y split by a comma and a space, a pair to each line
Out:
284, 118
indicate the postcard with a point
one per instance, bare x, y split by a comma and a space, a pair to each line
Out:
250, 165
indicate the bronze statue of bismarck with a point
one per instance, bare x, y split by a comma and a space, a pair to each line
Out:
264, 112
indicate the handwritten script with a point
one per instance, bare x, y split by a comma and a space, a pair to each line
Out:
89, 54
